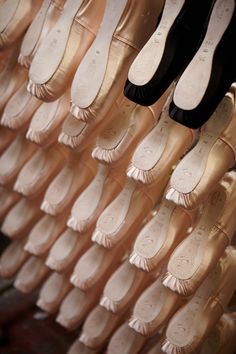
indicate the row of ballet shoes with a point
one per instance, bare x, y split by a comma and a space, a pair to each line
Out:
193, 41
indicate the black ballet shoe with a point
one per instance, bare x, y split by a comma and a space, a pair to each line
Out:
168, 51
210, 73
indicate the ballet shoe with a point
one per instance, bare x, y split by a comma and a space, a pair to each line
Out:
193, 322
168, 51
67, 43
15, 17
69, 183
31, 275
53, 292
39, 171
44, 233
123, 288
47, 121
13, 159
123, 217
203, 167
107, 61
19, 110
6, 137
8, 199
125, 341
69, 247
162, 147
210, 73
95, 266
102, 190
124, 132
98, 327
222, 338
79, 348
43, 22
198, 254
76, 306
160, 236
21, 218
153, 309
12, 258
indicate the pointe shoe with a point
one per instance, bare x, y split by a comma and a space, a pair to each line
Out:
13, 258
19, 110
222, 338
162, 147
198, 254
123, 133
102, 190
15, 17
67, 43
123, 217
6, 137
203, 167
21, 218
125, 341
168, 51
46, 123
153, 309
53, 292
193, 323
123, 288
121, 35
98, 327
43, 22
160, 236
69, 183
79, 348
39, 171
198, 93
13, 158
76, 306
7, 200
69, 247
44, 234
31, 275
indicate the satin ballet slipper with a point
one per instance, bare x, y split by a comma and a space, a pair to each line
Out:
95, 266
107, 61
12, 258
98, 327
123, 133
47, 121
8, 199
203, 167
101, 191
15, 17
123, 217
53, 292
67, 43
222, 338
19, 110
154, 308
44, 233
193, 323
162, 147
6, 137
160, 236
69, 247
31, 275
43, 22
77, 305
79, 348
39, 171
13, 159
125, 341
21, 218
69, 183
198, 254
123, 288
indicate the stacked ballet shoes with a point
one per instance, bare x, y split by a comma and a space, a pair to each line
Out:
122, 218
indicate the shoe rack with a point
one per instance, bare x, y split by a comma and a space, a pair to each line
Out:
121, 218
